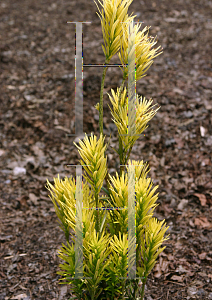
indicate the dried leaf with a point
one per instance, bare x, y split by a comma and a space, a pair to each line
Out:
202, 198
19, 297
177, 278
157, 271
37, 151
62, 128
11, 87
202, 255
63, 292
202, 222
33, 198
2, 152
183, 203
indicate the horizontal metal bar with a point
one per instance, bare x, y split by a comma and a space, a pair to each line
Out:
77, 165
74, 278
132, 278
79, 22
76, 134
103, 208
115, 65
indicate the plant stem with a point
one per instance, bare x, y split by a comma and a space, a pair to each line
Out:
101, 111
120, 141
107, 181
135, 288
123, 287
97, 212
126, 159
121, 88
121, 156
101, 131
142, 291
101, 99
67, 235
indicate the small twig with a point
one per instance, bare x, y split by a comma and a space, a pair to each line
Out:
167, 295
176, 283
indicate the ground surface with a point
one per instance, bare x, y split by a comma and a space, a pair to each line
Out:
37, 111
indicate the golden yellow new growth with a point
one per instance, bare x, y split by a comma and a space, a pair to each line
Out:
140, 168
144, 51
114, 12
143, 110
63, 193
97, 106
93, 160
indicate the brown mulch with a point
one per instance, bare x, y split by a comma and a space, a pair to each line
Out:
37, 111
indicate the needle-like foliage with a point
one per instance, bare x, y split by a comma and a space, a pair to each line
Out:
112, 16
93, 160
119, 232
119, 111
143, 48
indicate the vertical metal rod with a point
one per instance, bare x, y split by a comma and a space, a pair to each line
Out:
78, 229
131, 169
79, 80
131, 223
131, 82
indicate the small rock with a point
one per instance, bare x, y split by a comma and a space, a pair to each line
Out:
208, 26
192, 291
112, 127
110, 156
7, 53
209, 141
63, 292
188, 114
28, 97
173, 203
184, 13
21, 297
178, 91
169, 142
2, 152
67, 76
19, 171
33, 198
182, 204
24, 52
201, 292
170, 20
24, 36
96, 117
